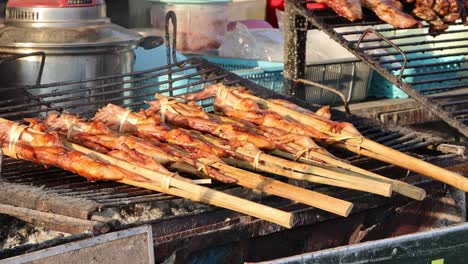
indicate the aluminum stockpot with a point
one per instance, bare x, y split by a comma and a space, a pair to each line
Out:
80, 44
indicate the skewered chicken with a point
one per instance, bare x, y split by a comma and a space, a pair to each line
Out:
97, 133
181, 116
247, 109
151, 127
47, 149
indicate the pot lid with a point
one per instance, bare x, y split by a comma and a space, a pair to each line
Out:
53, 3
190, 1
62, 27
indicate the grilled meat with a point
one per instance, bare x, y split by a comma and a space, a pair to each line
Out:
198, 120
151, 127
95, 132
391, 11
349, 9
47, 149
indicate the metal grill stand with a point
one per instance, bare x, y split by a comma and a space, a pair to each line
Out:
432, 71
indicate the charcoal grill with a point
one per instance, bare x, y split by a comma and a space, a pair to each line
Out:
171, 232
432, 70
192, 230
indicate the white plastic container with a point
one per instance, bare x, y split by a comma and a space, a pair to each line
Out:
248, 10
201, 25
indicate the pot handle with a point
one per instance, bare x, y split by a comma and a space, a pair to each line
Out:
151, 42
149, 39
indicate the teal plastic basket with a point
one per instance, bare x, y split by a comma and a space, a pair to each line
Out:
264, 73
381, 88
349, 77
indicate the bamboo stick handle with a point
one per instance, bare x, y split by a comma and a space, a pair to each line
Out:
312, 178
400, 160
184, 188
55, 222
271, 186
400, 187
389, 155
363, 182
224, 200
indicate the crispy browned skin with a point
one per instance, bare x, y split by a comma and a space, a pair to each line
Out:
391, 12
323, 111
279, 137
254, 113
350, 9
47, 149
185, 116
98, 133
247, 109
150, 127
439, 13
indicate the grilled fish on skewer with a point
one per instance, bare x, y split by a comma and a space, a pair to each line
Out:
227, 131
98, 133
47, 149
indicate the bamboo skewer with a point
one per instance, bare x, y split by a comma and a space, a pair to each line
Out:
381, 188
312, 178
361, 183
328, 176
400, 187
360, 145
422, 167
261, 183
174, 185
184, 188
271, 186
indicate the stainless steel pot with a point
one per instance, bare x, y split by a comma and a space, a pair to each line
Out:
79, 42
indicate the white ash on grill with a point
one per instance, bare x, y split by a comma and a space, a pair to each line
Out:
14, 232
138, 213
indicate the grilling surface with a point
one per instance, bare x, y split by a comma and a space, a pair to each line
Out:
131, 91
436, 70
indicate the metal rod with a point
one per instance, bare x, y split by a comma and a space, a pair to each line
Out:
97, 79
424, 50
400, 51
446, 79
328, 88
391, 29
100, 94
424, 65
171, 17
443, 88
410, 43
401, 36
436, 72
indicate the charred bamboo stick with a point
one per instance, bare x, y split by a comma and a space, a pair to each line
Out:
182, 187
361, 182
309, 177
55, 222
355, 142
422, 167
400, 187
271, 186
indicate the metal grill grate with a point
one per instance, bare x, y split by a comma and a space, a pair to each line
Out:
131, 90
432, 70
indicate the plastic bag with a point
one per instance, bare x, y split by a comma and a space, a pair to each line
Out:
257, 44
